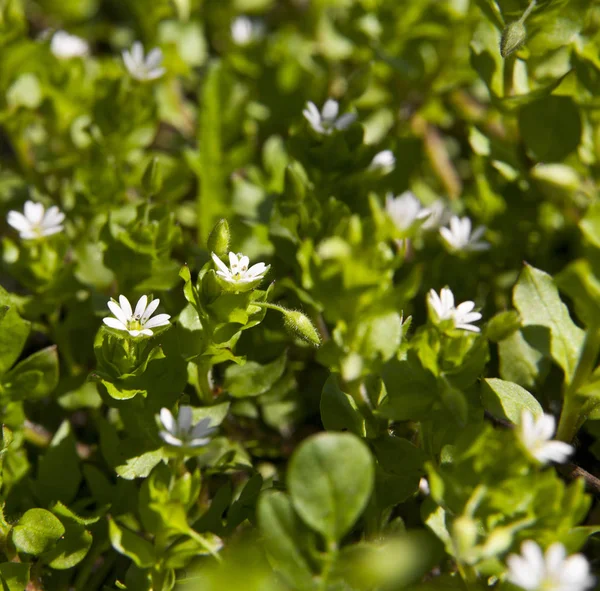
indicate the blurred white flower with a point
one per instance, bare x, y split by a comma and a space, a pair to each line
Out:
405, 210
442, 309
536, 437
238, 273
424, 487
459, 237
136, 322
327, 120
534, 571
383, 162
244, 30
143, 67
180, 432
439, 215
65, 46
36, 221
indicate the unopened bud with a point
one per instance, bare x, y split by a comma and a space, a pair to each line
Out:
513, 37
300, 325
152, 179
464, 534
218, 239
210, 288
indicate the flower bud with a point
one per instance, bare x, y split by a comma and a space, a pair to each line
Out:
218, 239
513, 37
300, 325
152, 179
464, 534
210, 287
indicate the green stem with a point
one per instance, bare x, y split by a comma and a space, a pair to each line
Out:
205, 392
508, 75
528, 11
573, 415
332, 552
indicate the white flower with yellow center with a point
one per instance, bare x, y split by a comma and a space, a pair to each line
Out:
36, 222
239, 274
180, 432
459, 238
138, 322
536, 436
327, 120
405, 210
383, 162
143, 67
552, 571
443, 310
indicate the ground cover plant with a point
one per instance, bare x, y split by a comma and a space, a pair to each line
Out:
299, 294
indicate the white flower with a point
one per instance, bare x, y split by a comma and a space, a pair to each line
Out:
534, 571
244, 30
36, 221
439, 215
238, 273
143, 68
135, 323
424, 488
65, 46
181, 432
383, 162
405, 210
536, 434
442, 308
327, 120
459, 237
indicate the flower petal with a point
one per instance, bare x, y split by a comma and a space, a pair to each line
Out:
170, 439
18, 221
220, 264
160, 320
140, 307
118, 313
149, 311
184, 420
125, 306
330, 110
114, 323
167, 419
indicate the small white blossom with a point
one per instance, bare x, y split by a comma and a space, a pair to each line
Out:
238, 274
36, 222
439, 215
180, 432
136, 322
405, 210
424, 488
443, 309
244, 30
327, 120
143, 67
458, 236
383, 162
66, 46
536, 437
552, 571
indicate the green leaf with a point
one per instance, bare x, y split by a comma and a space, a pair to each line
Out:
330, 479
37, 531
590, 224
253, 379
59, 473
339, 411
282, 534
551, 127
72, 548
140, 466
536, 297
34, 377
507, 400
14, 575
131, 545
13, 334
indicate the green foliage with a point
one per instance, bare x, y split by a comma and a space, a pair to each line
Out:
287, 405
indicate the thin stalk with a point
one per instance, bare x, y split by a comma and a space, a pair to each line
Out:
573, 412
332, 552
